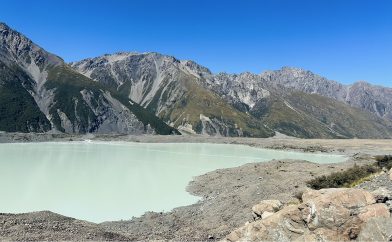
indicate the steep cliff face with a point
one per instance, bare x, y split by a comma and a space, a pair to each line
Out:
62, 99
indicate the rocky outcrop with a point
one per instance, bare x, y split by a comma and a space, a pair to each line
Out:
382, 195
376, 229
326, 215
266, 208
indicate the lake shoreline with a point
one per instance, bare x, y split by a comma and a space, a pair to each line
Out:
280, 142
227, 194
114, 180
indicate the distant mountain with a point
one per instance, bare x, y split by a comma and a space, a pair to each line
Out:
39, 92
371, 98
137, 93
191, 98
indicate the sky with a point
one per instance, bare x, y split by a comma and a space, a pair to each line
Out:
343, 40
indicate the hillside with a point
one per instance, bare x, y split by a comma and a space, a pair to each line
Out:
194, 100
41, 93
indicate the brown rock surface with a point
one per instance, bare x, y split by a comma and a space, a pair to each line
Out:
374, 210
382, 194
327, 215
377, 229
266, 208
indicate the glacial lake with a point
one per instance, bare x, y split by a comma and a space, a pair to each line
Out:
106, 181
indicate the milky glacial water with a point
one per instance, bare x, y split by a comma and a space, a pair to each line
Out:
106, 181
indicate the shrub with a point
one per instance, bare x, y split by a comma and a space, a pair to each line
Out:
384, 161
343, 178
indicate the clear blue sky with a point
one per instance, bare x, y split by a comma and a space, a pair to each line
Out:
343, 40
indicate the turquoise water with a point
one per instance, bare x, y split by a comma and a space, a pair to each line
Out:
103, 181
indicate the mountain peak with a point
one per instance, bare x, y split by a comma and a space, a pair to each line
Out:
4, 26
195, 67
20, 49
362, 82
295, 70
291, 68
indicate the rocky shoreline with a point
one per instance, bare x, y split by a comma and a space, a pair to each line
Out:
228, 194
334, 214
348, 147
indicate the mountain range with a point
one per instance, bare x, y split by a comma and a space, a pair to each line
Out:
139, 93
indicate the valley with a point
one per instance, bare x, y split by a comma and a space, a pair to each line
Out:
152, 93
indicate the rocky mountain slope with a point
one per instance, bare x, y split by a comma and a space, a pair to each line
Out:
169, 87
154, 93
39, 92
363, 95
194, 100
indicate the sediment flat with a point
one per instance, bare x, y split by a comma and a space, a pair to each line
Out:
338, 146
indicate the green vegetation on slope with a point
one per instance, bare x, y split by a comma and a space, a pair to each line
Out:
313, 116
291, 121
18, 110
197, 100
384, 161
347, 121
351, 176
68, 84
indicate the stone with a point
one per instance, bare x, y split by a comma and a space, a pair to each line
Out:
376, 229
266, 214
336, 214
265, 208
382, 195
389, 203
374, 210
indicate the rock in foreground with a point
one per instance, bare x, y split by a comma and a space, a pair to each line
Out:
326, 215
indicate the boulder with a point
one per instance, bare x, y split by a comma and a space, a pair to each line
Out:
265, 208
382, 195
325, 215
374, 210
266, 214
376, 229
333, 209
